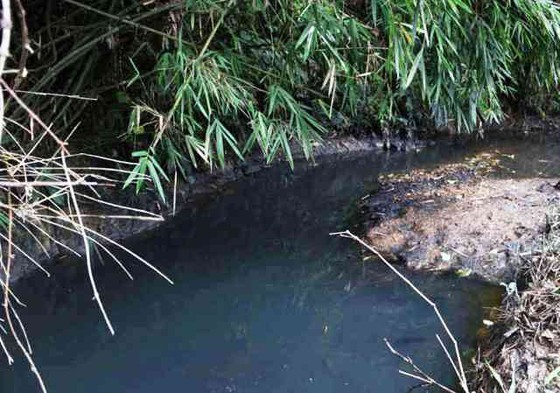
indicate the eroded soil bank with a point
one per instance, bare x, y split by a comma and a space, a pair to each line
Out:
479, 217
458, 217
45, 250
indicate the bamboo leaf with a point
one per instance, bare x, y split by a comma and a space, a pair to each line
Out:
417, 60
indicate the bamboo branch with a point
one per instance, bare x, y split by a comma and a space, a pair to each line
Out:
122, 20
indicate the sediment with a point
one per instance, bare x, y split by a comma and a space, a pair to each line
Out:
456, 217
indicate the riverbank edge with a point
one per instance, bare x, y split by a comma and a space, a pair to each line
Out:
186, 192
519, 346
203, 183
519, 343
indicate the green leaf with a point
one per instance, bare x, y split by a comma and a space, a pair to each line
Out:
309, 38
419, 58
139, 153
156, 180
122, 97
4, 220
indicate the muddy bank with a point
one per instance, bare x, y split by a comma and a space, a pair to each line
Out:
197, 187
481, 217
457, 217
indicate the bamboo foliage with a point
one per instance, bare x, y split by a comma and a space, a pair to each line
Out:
249, 75
271, 74
198, 76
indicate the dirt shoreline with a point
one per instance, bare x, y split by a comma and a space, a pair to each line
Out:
457, 218
460, 218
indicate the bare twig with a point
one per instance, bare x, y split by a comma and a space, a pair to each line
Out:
43, 194
25, 45
17, 184
6, 24
457, 363
419, 374
32, 115
8, 309
79, 225
45, 94
122, 20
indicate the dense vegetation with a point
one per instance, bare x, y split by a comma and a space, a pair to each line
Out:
193, 81
182, 84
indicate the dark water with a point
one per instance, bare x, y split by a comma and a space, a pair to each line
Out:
264, 300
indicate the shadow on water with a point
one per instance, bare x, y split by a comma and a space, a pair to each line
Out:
264, 300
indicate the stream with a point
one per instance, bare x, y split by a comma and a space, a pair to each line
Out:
264, 299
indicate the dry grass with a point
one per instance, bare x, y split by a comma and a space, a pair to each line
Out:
44, 186
523, 352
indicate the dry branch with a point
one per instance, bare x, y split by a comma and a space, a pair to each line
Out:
45, 187
457, 362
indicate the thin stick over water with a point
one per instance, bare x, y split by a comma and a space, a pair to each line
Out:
457, 363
